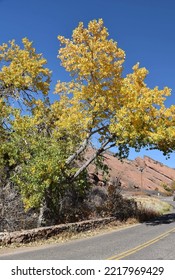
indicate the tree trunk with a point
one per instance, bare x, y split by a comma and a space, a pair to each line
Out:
79, 151
94, 156
41, 218
84, 144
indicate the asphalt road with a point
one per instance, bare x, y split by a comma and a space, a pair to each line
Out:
154, 240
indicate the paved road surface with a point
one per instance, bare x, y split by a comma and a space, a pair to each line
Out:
152, 240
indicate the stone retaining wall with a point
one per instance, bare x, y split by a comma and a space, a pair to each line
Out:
26, 236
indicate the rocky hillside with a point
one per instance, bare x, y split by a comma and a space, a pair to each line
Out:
139, 174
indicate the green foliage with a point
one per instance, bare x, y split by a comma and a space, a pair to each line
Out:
167, 188
38, 160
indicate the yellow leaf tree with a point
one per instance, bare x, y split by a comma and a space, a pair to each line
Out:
98, 101
22, 74
23, 78
123, 111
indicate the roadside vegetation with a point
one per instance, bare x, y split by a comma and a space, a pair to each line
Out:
145, 208
170, 189
150, 207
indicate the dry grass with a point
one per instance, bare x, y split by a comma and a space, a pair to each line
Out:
153, 203
150, 207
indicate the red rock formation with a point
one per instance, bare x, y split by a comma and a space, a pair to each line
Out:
139, 174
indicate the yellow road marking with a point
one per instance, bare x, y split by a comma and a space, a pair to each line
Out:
141, 246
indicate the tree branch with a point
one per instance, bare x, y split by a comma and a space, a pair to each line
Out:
80, 150
94, 156
84, 144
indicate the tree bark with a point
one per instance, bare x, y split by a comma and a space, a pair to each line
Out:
41, 218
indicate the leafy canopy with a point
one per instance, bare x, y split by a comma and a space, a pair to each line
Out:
125, 111
43, 148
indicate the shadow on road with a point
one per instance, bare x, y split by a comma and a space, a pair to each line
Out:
164, 219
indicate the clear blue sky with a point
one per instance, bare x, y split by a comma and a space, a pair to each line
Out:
145, 29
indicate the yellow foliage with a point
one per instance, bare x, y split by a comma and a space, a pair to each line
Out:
98, 93
22, 70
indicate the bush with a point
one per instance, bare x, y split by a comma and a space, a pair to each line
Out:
167, 188
118, 206
105, 202
145, 214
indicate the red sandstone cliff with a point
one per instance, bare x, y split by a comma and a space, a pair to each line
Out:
139, 174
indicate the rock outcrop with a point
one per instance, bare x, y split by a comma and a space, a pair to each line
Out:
143, 174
